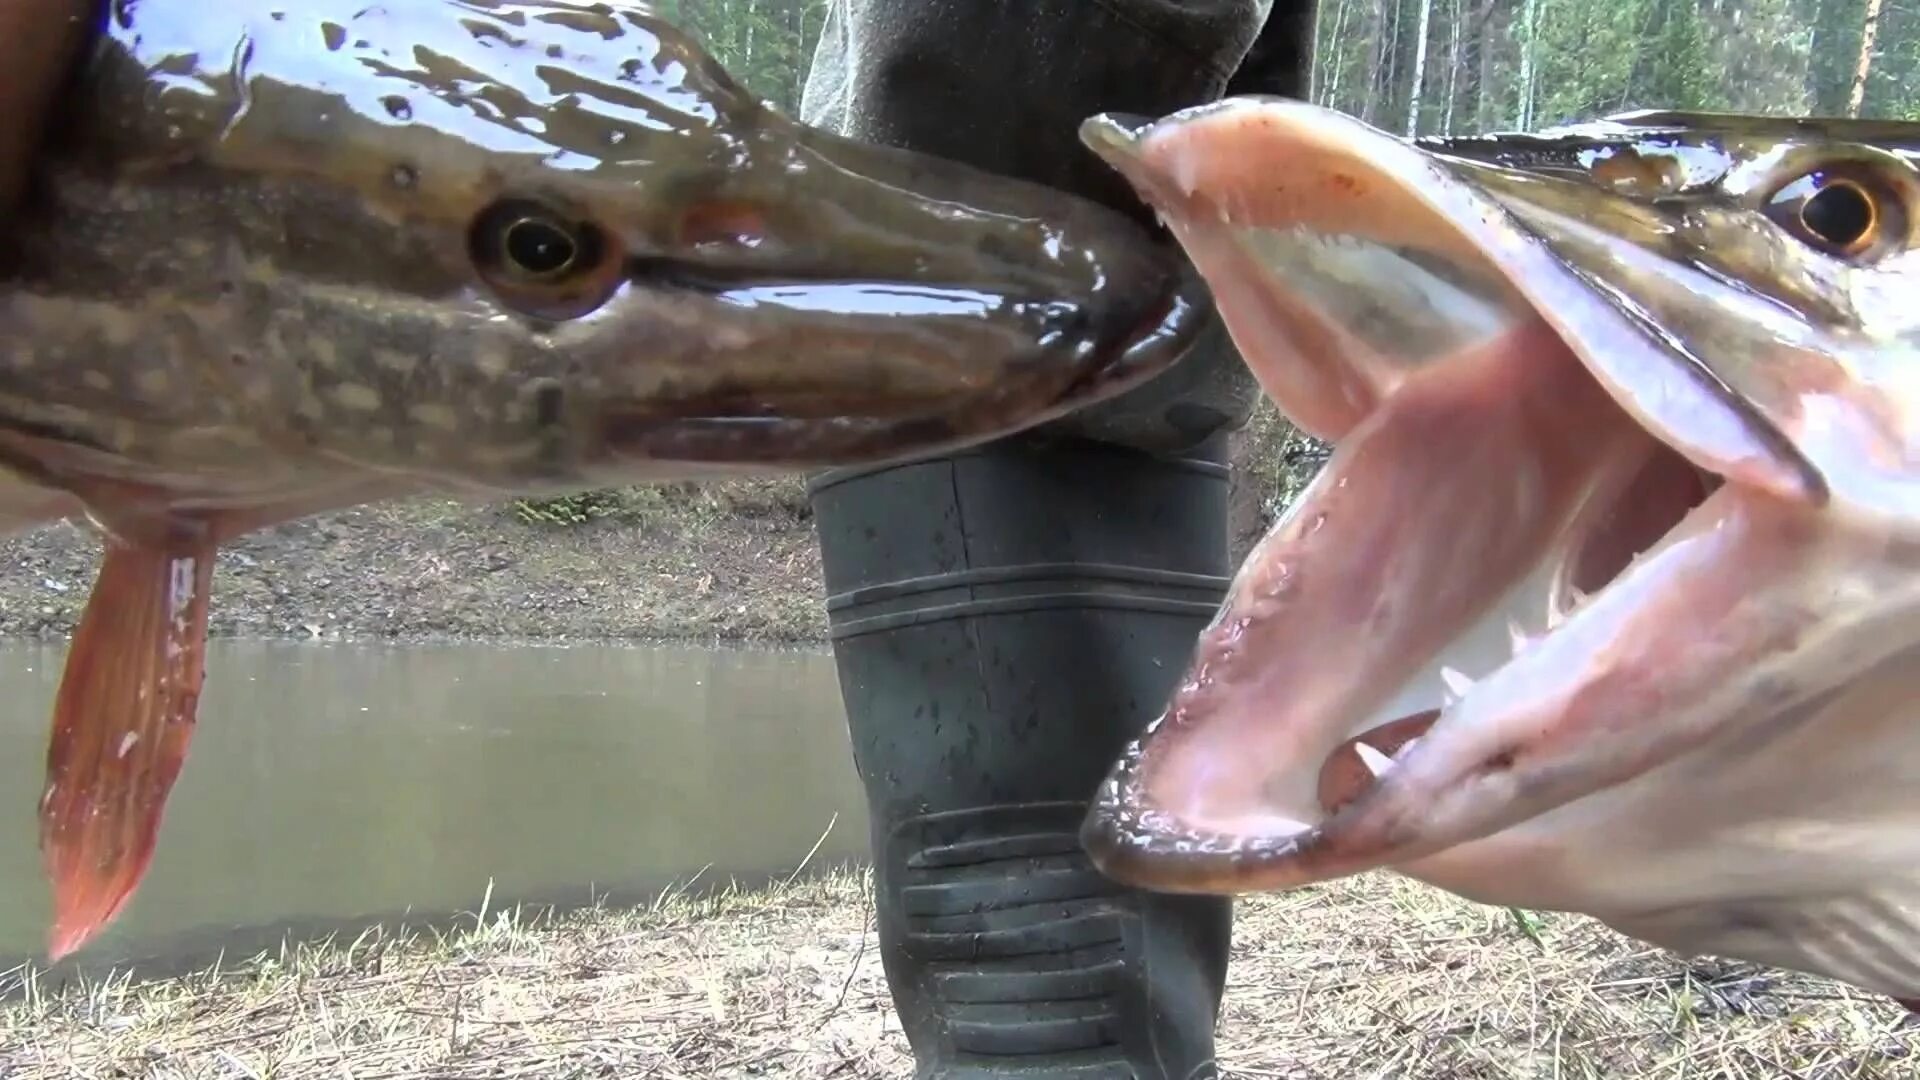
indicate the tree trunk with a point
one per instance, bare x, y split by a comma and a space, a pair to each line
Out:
1483, 105
1419, 68
1529, 26
1453, 68
1376, 57
1869, 30
1328, 89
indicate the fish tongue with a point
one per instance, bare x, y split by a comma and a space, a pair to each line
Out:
1710, 633
125, 711
1456, 488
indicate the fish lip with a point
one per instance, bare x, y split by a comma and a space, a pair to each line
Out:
1134, 841
1165, 331
1117, 127
1044, 384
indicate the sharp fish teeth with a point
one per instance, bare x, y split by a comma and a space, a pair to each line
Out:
1375, 760
1517, 635
1407, 747
1458, 682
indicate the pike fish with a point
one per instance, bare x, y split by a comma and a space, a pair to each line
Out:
1606, 601
284, 258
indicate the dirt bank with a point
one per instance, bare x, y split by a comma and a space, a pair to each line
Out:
734, 561
737, 562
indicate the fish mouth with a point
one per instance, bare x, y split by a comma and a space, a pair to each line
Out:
1031, 359
843, 302
1552, 550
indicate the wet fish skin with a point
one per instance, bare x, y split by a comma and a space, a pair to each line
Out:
280, 259
1608, 600
268, 254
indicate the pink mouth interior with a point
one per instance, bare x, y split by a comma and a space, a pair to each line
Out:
1465, 518
1477, 494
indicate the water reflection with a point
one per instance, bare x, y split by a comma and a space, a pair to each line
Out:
331, 782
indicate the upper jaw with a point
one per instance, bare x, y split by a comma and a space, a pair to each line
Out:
1543, 410
1320, 173
836, 302
1728, 342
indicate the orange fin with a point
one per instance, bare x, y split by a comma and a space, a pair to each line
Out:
121, 723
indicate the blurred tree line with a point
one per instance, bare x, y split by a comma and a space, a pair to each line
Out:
1446, 66
766, 44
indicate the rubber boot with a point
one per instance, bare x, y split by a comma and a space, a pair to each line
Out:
1004, 622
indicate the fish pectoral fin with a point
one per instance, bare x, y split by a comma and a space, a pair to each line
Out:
124, 715
1870, 940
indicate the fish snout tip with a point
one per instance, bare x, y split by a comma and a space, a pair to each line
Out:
1167, 322
1115, 136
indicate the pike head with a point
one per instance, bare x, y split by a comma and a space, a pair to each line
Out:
1607, 599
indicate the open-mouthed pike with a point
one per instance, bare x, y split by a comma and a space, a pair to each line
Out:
284, 258
1607, 599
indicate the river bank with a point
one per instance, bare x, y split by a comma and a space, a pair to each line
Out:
1375, 976
734, 561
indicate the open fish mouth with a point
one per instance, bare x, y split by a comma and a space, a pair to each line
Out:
1611, 528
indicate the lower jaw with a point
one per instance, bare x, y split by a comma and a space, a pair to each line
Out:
1593, 555
1653, 502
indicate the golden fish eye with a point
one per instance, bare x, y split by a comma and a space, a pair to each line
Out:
542, 261
525, 240
1839, 212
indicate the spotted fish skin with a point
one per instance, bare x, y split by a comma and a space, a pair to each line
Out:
279, 252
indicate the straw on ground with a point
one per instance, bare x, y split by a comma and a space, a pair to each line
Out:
1372, 977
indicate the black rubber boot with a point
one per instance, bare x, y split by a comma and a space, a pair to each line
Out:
1004, 622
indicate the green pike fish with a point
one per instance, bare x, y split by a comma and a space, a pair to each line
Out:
285, 258
1607, 600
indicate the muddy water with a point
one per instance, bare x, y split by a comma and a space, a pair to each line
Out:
332, 785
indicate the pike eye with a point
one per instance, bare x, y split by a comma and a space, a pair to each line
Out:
1839, 212
542, 261
539, 248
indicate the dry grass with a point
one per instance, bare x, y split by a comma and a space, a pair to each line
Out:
1375, 977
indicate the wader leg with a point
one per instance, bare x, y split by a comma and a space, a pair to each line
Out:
1003, 623
1005, 620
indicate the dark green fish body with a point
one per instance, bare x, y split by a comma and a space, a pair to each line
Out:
1608, 600
285, 258
283, 245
